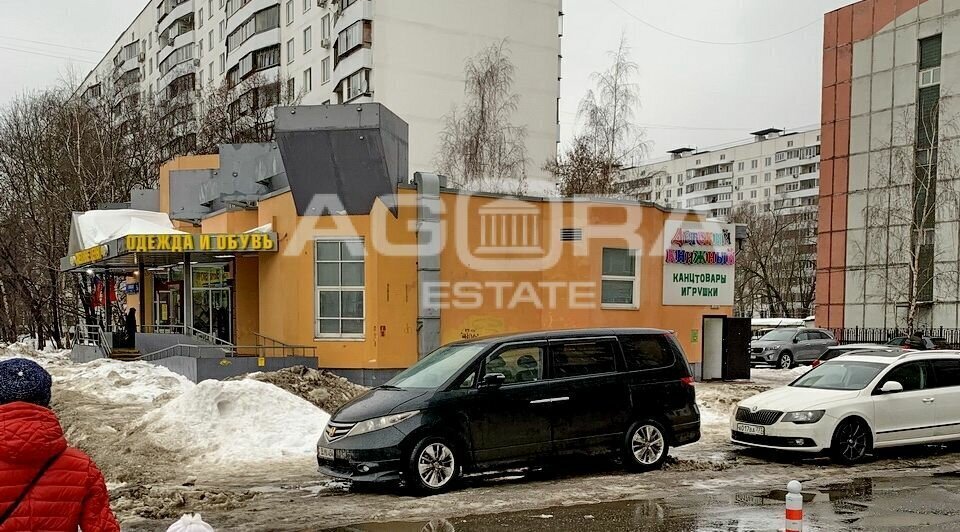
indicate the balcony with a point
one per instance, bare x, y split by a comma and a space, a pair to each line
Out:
359, 10
708, 177
178, 41
360, 58
254, 6
722, 189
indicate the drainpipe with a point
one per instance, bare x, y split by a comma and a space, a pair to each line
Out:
428, 260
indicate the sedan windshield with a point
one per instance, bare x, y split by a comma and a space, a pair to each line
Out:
779, 335
840, 374
437, 367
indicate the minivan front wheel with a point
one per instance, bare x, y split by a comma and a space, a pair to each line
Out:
646, 446
433, 466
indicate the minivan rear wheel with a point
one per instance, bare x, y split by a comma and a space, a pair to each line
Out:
433, 466
646, 446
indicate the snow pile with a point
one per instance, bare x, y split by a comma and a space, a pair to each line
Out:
238, 421
124, 382
322, 388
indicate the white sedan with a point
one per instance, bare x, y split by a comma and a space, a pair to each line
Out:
856, 403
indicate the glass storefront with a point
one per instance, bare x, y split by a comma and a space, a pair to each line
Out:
212, 297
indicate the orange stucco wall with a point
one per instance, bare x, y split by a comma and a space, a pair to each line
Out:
194, 162
275, 292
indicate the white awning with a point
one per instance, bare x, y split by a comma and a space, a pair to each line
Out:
95, 228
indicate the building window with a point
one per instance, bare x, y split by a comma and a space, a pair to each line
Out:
618, 282
259, 22
769, 162
354, 86
210, 40
201, 47
325, 29
669, 179
754, 163
223, 64
307, 80
210, 79
352, 37
739, 196
291, 87
789, 143
325, 70
291, 50
306, 5
739, 181
308, 39
289, 12
739, 167
200, 18
753, 180
753, 194
340, 288
723, 157
223, 26
766, 192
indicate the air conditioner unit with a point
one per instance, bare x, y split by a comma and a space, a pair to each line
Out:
196, 63
143, 57
322, 3
325, 43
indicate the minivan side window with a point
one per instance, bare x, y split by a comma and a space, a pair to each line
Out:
576, 358
913, 376
646, 351
518, 364
948, 372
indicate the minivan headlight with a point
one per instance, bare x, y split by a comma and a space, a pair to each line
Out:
378, 423
803, 417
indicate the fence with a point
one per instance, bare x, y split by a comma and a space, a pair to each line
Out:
868, 335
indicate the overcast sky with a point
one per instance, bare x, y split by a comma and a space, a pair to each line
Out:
693, 93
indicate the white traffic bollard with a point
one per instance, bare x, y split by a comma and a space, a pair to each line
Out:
794, 516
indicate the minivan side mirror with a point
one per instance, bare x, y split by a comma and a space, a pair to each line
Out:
493, 380
891, 387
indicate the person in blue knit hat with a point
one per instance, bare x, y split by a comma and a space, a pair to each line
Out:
44, 483
24, 380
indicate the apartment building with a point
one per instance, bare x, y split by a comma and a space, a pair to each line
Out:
888, 252
777, 170
406, 54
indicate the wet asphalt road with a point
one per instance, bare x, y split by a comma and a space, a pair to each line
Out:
916, 504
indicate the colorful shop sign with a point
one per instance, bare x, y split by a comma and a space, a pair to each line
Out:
699, 263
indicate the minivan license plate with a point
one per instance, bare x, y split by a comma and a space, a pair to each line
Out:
325, 453
749, 429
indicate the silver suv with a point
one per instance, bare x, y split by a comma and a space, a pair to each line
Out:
788, 347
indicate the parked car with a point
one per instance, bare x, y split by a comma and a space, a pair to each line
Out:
785, 348
837, 350
856, 403
929, 342
516, 400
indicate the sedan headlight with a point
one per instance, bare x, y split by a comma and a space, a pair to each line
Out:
378, 423
803, 417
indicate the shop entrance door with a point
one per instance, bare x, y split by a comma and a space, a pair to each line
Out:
712, 348
212, 309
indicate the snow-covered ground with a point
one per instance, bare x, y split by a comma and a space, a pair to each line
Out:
206, 425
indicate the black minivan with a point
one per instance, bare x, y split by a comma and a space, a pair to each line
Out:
517, 400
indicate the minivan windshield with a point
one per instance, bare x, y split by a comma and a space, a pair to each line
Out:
437, 367
839, 374
779, 335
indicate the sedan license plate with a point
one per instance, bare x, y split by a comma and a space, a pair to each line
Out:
325, 453
750, 429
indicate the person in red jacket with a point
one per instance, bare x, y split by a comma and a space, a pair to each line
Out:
44, 484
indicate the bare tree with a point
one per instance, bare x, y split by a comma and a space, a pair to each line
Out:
480, 146
776, 264
609, 139
905, 253
235, 113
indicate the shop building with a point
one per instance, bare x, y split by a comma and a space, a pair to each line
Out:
325, 241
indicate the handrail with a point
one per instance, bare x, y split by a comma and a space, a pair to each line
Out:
194, 351
292, 349
205, 336
94, 334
